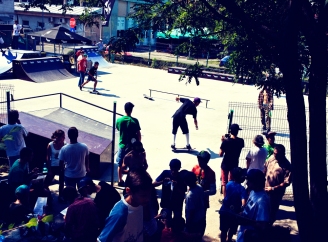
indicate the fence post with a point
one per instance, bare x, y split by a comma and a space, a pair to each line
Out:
8, 105
113, 142
60, 100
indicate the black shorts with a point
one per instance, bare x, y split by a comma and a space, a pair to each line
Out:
90, 78
180, 122
228, 222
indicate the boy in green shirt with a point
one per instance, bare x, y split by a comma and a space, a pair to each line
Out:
129, 129
269, 146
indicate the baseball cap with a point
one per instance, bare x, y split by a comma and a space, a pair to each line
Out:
197, 100
137, 146
22, 189
258, 140
86, 181
175, 163
270, 134
85, 55
204, 155
235, 127
255, 175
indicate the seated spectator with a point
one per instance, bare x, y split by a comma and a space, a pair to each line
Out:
17, 132
125, 221
173, 188
106, 196
135, 159
19, 172
82, 221
256, 214
205, 176
256, 157
233, 202
19, 209
195, 210
70, 194
176, 233
53, 149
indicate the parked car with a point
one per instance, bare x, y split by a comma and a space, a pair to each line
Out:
224, 60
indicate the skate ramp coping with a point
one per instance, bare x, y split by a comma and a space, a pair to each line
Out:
41, 70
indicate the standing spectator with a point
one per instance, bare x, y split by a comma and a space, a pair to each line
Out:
82, 68
278, 177
135, 159
16, 31
2, 42
195, 210
19, 173
92, 76
173, 188
232, 204
79, 52
106, 196
265, 103
269, 146
205, 176
125, 221
129, 129
75, 156
256, 215
179, 118
256, 157
15, 132
230, 148
82, 221
53, 149
100, 45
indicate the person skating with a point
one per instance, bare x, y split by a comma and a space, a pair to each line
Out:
179, 118
2, 42
92, 76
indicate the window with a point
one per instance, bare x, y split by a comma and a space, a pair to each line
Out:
40, 24
25, 22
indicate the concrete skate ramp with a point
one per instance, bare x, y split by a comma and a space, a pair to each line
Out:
44, 69
7, 58
94, 56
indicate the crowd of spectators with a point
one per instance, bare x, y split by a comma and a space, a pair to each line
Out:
136, 216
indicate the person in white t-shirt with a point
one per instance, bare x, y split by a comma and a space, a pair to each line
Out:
255, 217
13, 135
75, 156
16, 31
257, 155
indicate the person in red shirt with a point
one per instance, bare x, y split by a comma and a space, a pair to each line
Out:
82, 68
205, 176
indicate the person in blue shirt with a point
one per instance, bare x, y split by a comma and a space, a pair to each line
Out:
125, 221
232, 204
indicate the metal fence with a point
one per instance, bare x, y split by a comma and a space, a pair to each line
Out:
248, 116
3, 104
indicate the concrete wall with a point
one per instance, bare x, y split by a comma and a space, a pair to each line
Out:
7, 7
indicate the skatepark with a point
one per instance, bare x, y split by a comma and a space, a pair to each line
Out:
123, 83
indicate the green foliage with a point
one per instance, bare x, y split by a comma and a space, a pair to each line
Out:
154, 63
41, 4
90, 18
127, 41
191, 72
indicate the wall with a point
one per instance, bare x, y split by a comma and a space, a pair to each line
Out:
7, 7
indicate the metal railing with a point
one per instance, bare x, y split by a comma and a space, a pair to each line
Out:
10, 99
152, 90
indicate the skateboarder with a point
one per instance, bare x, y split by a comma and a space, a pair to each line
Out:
2, 42
92, 76
265, 103
179, 118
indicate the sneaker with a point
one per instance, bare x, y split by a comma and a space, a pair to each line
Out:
121, 184
173, 147
188, 147
263, 128
80, 88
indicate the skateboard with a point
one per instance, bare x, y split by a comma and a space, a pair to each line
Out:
97, 93
149, 98
182, 149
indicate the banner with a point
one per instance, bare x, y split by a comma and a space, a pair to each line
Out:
107, 10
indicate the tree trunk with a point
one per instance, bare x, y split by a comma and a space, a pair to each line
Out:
290, 67
317, 146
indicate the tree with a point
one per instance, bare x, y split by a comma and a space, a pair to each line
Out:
90, 18
286, 33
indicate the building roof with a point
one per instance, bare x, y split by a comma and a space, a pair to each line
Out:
53, 9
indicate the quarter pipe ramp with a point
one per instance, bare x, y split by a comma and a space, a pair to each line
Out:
93, 55
6, 59
44, 69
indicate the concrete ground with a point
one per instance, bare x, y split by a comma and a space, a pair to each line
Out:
123, 83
